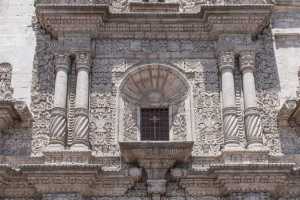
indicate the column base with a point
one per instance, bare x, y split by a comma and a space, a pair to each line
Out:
55, 147
79, 147
67, 156
233, 147
156, 186
257, 146
245, 156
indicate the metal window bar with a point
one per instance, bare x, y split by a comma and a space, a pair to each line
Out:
155, 124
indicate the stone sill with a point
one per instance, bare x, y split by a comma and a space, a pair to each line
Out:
156, 150
153, 7
288, 2
14, 114
74, 2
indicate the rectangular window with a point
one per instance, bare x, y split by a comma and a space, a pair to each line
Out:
154, 124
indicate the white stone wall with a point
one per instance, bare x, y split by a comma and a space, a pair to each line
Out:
286, 32
17, 43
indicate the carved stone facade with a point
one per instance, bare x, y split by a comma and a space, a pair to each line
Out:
216, 66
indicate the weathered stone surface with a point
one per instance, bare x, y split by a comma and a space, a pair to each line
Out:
96, 65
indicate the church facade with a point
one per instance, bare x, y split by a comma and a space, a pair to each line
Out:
152, 100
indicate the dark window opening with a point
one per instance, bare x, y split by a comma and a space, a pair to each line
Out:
154, 124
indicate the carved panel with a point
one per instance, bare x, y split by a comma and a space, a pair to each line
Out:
208, 123
267, 84
43, 78
131, 129
179, 122
103, 110
102, 135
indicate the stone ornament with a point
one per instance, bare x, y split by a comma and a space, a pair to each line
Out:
252, 114
226, 66
6, 90
58, 125
13, 113
154, 85
81, 127
253, 126
230, 125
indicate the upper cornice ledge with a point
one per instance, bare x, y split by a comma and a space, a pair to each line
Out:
98, 21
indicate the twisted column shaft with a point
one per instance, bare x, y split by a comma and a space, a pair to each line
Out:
81, 127
58, 123
231, 134
252, 117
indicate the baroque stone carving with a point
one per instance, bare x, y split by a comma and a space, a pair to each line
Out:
179, 123
102, 135
130, 122
6, 90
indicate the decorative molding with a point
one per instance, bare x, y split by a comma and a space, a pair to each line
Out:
204, 24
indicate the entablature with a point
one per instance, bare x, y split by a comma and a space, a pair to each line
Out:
100, 22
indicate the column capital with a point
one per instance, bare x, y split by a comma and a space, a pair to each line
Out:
62, 62
83, 60
247, 60
226, 60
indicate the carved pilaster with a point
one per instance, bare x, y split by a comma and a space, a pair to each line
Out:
252, 116
231, 134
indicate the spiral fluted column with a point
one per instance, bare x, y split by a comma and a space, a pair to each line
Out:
230, 120
252, 116
81, 126
58, 123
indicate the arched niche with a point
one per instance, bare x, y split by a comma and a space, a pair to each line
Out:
154, 86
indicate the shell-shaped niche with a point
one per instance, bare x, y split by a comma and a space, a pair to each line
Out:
154, 85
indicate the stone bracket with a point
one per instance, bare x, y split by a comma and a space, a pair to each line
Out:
14, 114
289, 114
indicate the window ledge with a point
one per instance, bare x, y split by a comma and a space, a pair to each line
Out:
156, 150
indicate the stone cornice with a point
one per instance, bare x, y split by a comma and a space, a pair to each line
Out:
96, 20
